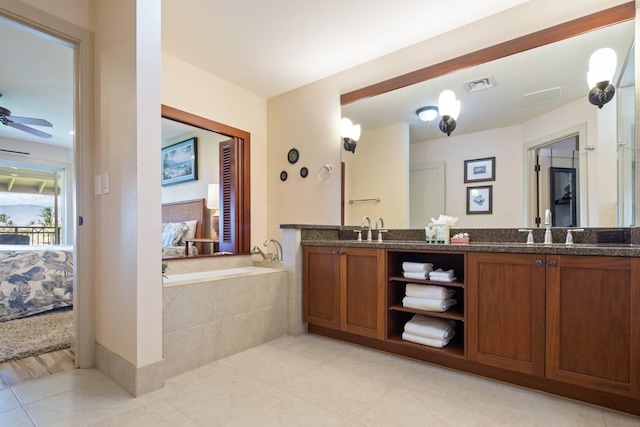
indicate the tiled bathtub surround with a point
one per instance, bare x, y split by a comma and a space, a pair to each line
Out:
215, 318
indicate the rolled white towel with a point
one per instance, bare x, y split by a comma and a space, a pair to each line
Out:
427, 304
429, 327
416, 275
431, 342
428, 291
417, 266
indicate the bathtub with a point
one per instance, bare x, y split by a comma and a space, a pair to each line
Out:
210, 315
208, 276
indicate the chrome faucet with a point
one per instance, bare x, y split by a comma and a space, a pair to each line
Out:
368, 221
278, 246
256, 250
548, 239
379, 227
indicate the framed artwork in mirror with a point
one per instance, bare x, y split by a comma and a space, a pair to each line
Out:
479, 200
478, 170
180, 162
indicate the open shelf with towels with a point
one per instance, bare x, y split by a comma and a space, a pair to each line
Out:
398, 315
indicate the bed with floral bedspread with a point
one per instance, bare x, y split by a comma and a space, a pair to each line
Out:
34, 279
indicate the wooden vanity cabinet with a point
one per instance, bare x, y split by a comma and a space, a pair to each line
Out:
593, 322
321, 286
343, 288
506, 311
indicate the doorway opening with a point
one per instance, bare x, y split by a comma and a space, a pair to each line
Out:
37, 200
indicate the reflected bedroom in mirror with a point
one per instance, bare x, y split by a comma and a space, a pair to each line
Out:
190, 190
531, 111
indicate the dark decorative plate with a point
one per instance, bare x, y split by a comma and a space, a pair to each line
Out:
293, 156
304, 172
283, 176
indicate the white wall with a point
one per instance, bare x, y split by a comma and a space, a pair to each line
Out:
309, 116
128, 256
191, 89
505, 145
365, 178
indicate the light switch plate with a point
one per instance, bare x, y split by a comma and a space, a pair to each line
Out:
105, 183
97, 185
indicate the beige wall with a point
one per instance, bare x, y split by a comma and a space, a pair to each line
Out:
379, 168
191, 89
78, 12
309, 116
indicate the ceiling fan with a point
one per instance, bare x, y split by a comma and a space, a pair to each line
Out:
19, 123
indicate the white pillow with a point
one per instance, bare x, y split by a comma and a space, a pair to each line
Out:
191, 230
173, 233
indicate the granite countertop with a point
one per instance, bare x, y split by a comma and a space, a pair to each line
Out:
624, 250
507, 240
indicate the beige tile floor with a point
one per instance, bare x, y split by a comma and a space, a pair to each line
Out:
298, 381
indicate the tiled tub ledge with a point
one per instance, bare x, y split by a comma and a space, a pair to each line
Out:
209, 315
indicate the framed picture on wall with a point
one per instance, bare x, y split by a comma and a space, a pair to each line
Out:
479, 200
478, 170
180, 162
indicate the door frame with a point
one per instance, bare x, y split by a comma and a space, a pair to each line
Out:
529, 190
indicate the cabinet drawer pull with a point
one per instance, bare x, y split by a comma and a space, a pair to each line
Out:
335, 253
538, 262
553, 263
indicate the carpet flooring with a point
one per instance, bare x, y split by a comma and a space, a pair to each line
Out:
35, 335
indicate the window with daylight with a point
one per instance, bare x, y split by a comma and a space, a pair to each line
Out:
32, 204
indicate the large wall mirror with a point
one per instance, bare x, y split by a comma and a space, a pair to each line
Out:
215, 196
526, 109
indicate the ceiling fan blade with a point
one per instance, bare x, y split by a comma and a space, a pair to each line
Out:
29, 130
29, 121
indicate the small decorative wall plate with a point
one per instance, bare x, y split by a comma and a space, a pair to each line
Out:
304, 172
293, 156
283, 176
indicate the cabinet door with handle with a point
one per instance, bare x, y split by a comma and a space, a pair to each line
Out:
593, 322
321, 286
506, 313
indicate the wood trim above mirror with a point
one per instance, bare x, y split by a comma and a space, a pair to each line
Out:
614, 15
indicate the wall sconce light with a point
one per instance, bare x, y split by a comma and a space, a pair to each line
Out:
426, 114
350, 134
213, 203
449, 109
602, 66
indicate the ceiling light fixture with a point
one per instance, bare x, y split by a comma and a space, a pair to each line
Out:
602, 67
426, 114
449, 108
350, 134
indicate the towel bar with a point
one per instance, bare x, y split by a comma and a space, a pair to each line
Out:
352, 201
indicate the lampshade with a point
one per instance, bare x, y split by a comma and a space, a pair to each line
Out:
213, 198
602, 66
426, 114
448, 105
348, 130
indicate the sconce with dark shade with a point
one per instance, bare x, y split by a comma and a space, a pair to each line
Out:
602, 67
449, 109
426, 114
350, 134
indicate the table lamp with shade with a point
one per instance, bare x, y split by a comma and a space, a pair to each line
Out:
213, 203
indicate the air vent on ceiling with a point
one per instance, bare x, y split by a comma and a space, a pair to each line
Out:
543, 96
480, 84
